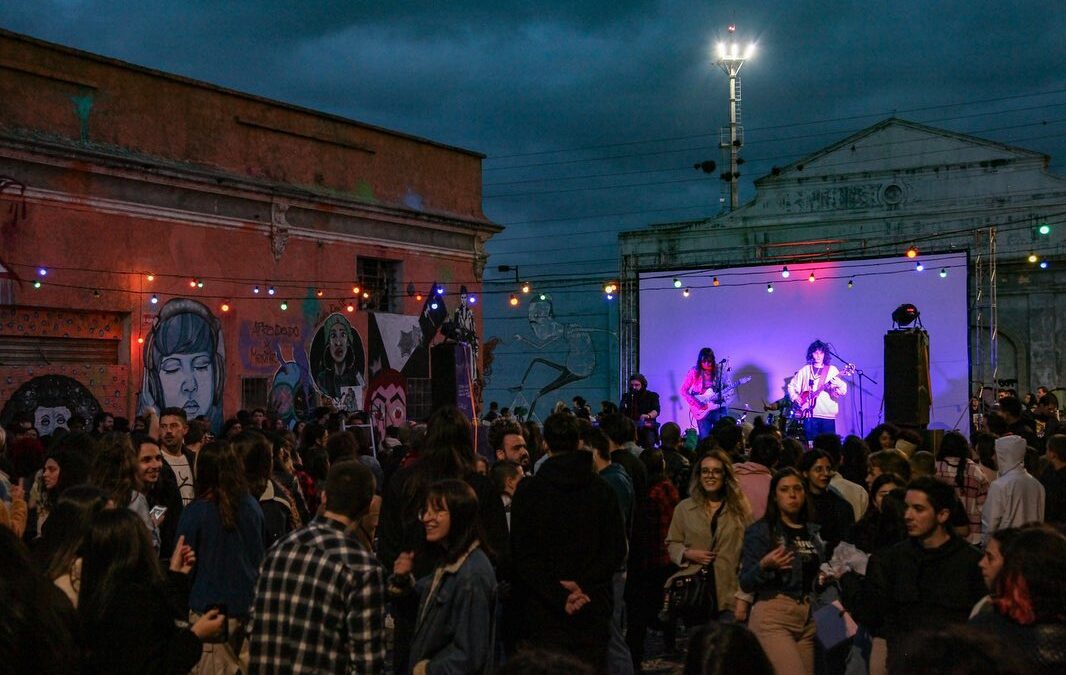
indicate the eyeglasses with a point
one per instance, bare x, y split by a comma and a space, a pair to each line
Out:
712, 472
432, 514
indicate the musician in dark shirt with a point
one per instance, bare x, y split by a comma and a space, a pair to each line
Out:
642, 406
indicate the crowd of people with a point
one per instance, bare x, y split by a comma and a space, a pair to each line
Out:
514, 547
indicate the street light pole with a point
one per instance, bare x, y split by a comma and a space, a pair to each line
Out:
730, 60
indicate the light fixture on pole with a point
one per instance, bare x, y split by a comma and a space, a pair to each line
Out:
730, 58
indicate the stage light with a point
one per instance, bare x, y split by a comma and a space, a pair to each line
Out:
271, 291
1044, 229
154, 300
1033, 257
769, 288
943, 272
677, 283
225, 307
525, 287
918, 266
912, 252
685, 292
36, 284
284, 305
714, 282
1043, 264
255, 290
513, 300
784, 272
42, 271
851, 283
905, 315
811, 278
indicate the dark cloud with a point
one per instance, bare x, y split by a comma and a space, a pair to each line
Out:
512, 77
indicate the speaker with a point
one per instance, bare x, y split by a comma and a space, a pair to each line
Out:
907, 395
450, 370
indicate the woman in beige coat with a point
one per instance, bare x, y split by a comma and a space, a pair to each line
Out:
708, 530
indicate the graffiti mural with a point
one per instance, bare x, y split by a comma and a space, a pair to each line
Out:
259, 341
573, 358
51, 400
291, 393
386, 400
185, 361
337, 361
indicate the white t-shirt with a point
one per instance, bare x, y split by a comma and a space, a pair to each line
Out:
183, 472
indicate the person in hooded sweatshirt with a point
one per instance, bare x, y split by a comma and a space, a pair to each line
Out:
1015, 497
567, 541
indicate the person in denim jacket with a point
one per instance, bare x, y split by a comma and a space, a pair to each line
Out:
779, 566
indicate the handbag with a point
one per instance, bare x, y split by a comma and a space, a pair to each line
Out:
692, 598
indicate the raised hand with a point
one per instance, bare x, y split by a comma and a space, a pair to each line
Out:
777, 559
183, 559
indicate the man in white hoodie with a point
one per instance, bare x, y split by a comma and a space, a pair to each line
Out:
1016, 497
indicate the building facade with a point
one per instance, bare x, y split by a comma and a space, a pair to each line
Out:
168, 242
877, 192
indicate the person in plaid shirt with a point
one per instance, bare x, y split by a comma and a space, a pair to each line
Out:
320, 600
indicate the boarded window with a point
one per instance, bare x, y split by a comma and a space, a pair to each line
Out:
21, 350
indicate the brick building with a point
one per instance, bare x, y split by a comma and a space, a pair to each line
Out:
169, 242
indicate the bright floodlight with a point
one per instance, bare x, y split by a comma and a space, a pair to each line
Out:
749, 51
721, 50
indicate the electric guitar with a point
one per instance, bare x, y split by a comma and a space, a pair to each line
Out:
807, 399
713, 399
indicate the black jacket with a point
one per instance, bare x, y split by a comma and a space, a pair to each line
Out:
908, 588
165, 492
836, 517
1054, 483
566, 525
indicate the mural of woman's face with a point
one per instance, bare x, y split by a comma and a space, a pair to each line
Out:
188, 382
47, 419
338, 343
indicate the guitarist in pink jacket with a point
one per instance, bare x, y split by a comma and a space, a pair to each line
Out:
815, 390
702, 390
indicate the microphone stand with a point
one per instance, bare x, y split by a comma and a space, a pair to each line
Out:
861, 374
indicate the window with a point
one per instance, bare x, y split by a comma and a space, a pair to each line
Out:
255, 392
381, 279
18, 350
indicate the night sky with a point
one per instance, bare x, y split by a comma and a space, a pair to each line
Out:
593, 113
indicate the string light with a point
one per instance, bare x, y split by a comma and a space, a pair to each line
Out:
225, 307
440, 290
350, 307
851, 283
811, 278
1044, 229
918, 266
355, 290
769, 288
525, 287
155, 299
192, 283
785, 273
1033, 257
685, 292
714, 282
912, 252
271, 291
434, 305
418, 297
36, 284
256, 290
150, 277
471, 298
677, 283
1043, 264
199, 283
284, 305
542, 298
42, 271
513, 300
943, 272
140, 340
319, 292
610, 296
366, 295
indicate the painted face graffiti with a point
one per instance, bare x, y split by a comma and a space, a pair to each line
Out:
338, 345
188, 382
48, 419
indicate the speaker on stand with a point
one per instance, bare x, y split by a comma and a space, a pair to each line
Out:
907, 394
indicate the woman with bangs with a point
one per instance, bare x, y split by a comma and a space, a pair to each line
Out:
707, 533
455, 628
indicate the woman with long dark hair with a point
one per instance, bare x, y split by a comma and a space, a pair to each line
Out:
831, 511
868, 534
1029, 597
707, 533
701, 379
954, 467
58, 551
129, 608
63, 468
448, 453
256, 453
779, 566
456, 627
224, 525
